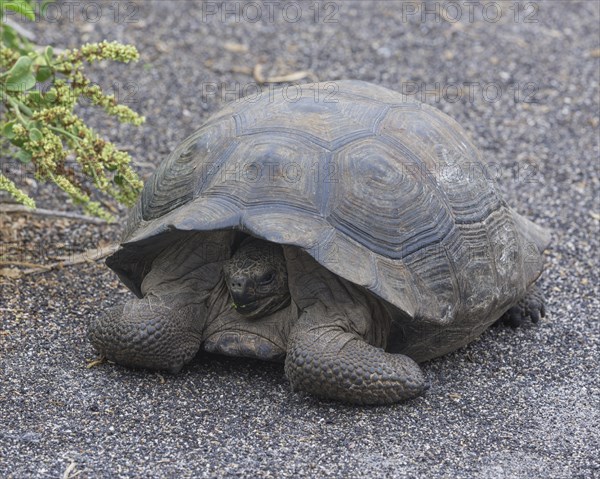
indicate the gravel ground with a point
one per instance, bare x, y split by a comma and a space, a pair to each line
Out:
513, 404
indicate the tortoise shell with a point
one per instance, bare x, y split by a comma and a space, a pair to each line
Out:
387, 193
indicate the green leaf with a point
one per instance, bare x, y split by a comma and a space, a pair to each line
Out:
19, 6
18, 142
21, 66
43, 73
20, 77
7, 130
27, 82
118, 179
24, 156
49, 98
35, 134
48, 54
14, 40
9, 37
35, 96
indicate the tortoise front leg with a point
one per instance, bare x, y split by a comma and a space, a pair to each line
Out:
328, 361
334, 349
160, 333
163, 330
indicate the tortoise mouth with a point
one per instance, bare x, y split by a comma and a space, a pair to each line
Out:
262, 306
248, 307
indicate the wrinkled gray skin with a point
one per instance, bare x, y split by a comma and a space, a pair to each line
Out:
331, 332
256, 277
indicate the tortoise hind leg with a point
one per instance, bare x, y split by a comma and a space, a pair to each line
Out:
531, 306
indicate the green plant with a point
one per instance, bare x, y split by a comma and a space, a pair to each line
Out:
41, 124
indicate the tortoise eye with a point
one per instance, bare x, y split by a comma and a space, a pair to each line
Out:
267, 278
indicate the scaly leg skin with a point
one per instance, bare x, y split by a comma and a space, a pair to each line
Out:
334, 349
329, 362
531, 306
162, 331
153, 332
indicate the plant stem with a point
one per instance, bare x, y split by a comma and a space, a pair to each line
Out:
19, 107
63, 132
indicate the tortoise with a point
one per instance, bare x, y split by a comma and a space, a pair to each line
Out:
352, 235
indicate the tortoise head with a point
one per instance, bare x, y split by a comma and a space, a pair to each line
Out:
256, 276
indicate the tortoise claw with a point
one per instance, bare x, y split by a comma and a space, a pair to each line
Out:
531, 306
